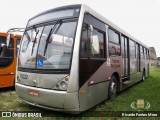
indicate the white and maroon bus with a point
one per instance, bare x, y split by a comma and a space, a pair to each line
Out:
72, 58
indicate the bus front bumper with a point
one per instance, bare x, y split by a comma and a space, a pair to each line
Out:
48, 99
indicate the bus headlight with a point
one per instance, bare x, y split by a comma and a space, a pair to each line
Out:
62, 85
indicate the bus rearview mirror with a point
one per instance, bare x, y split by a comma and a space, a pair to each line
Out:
94, 44
91, 28
8, 39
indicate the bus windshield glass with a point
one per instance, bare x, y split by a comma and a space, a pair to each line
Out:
6, 53
48, 47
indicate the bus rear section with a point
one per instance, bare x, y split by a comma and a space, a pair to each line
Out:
71, 59
8, 55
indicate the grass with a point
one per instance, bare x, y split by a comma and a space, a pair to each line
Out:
148, 90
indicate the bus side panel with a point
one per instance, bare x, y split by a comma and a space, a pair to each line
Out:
6, 81
92, 94
7, 75
115, 66
134, 74
95, 89
9, 70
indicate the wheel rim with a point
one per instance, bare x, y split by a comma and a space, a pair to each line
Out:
113, 89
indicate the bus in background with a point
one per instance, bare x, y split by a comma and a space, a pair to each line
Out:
71, 58
9, 45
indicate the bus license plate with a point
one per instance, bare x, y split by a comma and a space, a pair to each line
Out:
33, 93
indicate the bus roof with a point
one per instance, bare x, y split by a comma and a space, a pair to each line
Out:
109, 23
4, 34
85, 8
58, 8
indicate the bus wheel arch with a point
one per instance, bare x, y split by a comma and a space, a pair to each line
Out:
118, 80
114, 85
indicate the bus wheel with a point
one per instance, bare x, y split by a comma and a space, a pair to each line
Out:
112, 88
143, 75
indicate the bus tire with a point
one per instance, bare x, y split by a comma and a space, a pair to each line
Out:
143, 75
112, 91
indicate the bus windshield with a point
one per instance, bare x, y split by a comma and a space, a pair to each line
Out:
6, 53
48, 47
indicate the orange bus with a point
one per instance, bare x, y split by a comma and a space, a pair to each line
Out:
8, 58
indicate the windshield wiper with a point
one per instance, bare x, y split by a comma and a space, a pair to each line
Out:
27, 35
49, 35
34, 41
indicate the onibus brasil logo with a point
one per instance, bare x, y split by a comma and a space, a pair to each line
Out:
140, 104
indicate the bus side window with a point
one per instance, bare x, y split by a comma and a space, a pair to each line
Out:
86, 45
146, 56
101, 39
141, 51
114, 43
132, 49
144, 53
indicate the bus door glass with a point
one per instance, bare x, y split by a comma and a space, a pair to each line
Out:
138, 57
124, 45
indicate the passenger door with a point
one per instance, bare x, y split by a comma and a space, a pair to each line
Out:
92, 73
124, 46
138, 61
138, 57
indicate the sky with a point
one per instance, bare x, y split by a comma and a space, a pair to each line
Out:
140, 18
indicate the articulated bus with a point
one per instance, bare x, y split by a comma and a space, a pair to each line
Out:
8, 58
71, 58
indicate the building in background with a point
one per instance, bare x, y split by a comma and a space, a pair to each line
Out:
153, 57
158, 62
